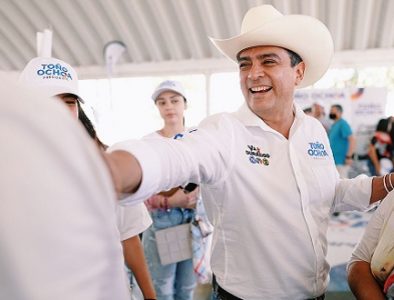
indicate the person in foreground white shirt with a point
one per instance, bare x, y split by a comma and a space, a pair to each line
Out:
267, 172
58, 229
371, 267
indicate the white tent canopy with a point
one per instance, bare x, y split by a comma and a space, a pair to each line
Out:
171, 36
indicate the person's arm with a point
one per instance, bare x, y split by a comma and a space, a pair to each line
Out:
125, 171
374, 158
378, 190
362, 283
135, 260
199, 157
182, 199
177, 199
351, 149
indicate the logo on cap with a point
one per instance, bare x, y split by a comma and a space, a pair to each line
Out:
54, 71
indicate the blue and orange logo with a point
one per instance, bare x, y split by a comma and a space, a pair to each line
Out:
54, 71
256, 156
357, 95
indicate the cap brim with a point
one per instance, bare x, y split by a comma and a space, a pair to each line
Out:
165, 89
57, 90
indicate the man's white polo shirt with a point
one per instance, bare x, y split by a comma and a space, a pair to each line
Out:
268, 197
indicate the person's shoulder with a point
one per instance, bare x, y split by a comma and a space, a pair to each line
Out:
218, 119
313, 122
151, 135
344, 122
311, 119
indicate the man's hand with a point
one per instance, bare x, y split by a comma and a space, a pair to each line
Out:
181, 199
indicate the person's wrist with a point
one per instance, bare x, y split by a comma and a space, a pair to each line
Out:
390, 182
350, 156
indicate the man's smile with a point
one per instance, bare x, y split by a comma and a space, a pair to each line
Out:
260, 89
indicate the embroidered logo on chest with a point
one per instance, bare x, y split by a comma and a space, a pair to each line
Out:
256, 156
317, 150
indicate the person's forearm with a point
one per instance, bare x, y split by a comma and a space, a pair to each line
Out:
378, 189
374, 158
135, 260
352, 146
362, 283
125, 171
378, 169
350, 151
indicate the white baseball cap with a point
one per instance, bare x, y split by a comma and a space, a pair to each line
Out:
51, 75
169, 85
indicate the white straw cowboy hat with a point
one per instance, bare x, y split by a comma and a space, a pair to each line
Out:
265, 26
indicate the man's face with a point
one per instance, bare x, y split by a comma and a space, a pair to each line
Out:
268, 80
335, 113
318, 109
71, 101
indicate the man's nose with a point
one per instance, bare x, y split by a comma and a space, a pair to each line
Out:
255, 72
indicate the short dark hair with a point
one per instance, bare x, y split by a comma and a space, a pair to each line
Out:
338, 107
295, 59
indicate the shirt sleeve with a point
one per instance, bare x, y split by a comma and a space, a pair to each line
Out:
369, 240
132, 220
353, 194
346, 130
201, 156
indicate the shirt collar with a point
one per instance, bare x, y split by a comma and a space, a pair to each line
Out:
249, 118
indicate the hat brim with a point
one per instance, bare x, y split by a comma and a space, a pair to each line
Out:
159, 91
57, 90
304, 35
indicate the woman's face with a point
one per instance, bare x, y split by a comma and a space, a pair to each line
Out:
72, 103
171, 106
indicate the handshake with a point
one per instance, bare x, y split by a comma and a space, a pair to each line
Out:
180, 197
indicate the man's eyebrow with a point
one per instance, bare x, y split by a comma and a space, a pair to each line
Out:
268, 55
243, 58
259, 57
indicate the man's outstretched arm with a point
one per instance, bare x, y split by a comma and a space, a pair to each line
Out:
125, 170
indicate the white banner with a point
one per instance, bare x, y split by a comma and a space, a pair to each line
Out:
362, 108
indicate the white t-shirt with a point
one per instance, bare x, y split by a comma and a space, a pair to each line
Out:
377, 243
269, 198
132, 220
58, 232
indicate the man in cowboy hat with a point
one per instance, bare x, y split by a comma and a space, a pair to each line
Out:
267, 173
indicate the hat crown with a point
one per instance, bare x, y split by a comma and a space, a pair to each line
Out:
258, 16
169, 85
51, 75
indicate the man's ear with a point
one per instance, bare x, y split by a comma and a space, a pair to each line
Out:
300, 71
